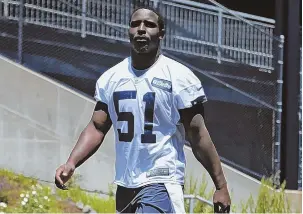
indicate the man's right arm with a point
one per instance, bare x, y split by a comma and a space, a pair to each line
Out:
88, 143
92, 136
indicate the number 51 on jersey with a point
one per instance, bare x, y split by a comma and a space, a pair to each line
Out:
149, 99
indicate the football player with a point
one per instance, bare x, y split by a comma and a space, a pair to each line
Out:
154, 104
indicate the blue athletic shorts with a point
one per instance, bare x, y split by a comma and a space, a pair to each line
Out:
153, 198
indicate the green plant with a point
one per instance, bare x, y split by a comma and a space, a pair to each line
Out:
23, 194
271, 199
19, 179
248, 206
111, 190
192, 188
100, 205
20, 194
76, 194
39, 199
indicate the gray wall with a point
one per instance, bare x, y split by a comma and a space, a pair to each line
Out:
40, 121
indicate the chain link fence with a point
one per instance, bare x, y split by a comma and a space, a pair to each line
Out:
237, 61
241, 115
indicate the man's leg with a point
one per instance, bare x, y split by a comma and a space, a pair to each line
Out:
124, 199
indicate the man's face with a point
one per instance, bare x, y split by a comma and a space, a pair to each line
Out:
144, 31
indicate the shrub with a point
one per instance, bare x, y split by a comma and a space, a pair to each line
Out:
271, 199
192, 188
20, 194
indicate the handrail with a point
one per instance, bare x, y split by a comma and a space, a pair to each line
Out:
192, 199
195, 28
211, 7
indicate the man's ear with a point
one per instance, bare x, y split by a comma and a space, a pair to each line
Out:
162, 34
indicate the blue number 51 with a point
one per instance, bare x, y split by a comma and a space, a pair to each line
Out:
149, 99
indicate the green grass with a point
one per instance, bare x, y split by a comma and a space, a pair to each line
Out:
76, 194
271, 199
14, 188
193, 188
25, 195
22, 194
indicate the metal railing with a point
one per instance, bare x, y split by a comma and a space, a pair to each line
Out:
218, 35
193, 198
192, 28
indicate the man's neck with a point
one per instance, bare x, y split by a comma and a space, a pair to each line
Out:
143, 61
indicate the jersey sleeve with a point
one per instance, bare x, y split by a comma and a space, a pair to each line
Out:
189, 90
101, 89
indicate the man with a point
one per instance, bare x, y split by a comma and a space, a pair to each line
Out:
152, 101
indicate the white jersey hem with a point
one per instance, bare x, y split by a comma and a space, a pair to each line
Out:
147, 183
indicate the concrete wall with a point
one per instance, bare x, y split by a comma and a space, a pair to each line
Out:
40, 121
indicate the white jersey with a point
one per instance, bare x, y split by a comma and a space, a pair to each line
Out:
144, 112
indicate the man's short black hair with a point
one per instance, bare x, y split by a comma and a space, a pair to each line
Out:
160, 17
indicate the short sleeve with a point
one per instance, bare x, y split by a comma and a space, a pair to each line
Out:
190, 91
101, 89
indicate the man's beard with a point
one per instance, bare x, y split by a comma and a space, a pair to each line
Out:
142, 49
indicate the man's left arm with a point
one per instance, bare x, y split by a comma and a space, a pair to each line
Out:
205, 151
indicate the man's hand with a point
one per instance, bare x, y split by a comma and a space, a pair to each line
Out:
63, 174
222, 200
